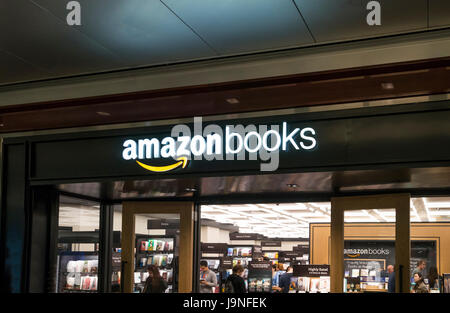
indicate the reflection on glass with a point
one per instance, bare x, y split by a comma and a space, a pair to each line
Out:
369, 251
77, 246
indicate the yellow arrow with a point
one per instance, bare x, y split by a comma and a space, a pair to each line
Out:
181, 161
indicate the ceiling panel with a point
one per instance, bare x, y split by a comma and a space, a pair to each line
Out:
39, 38
12, 68
346, 19
439, 13
141, 32
234, 26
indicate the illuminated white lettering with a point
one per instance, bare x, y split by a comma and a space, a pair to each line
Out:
228, 137
289, 138
312, 139
130, 150
184, 143
168, 150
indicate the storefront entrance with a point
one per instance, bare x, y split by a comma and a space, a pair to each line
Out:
400, 203
171, 250
376, 154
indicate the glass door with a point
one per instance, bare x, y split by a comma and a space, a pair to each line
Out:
157, 239
370, 243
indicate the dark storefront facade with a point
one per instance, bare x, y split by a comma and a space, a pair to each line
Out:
392, 142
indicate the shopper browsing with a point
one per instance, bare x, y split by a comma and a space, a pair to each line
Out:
421, 265
391, 281
275, 276
420, 286
285, 279
433, 278
154, 283
208, 279
235, 283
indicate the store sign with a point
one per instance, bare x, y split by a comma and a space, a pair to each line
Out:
311, 270
289, 254
215, 143
214, 247
260, 266
238, 236
355, 253
271, 243
163, 224
226, 263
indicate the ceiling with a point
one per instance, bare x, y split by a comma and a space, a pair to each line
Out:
291, 220
125, 34
274, 220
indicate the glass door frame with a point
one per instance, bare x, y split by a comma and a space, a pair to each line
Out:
401, 204
186, 244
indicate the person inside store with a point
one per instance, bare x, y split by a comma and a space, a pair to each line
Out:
391, 279
235, 283
208, 279
154, 283
419, 286
285, 280
433, 278
421, 265
275, 278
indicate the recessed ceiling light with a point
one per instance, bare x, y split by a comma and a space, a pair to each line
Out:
103, 113
232, 100
387, 86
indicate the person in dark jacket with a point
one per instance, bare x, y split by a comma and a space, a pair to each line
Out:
236, 280
154, 283
391, 281
285, 280
433, 278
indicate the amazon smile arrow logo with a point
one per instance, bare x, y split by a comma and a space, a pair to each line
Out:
182, 161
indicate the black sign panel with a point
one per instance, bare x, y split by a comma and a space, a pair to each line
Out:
163, 224
259, 276
239, 236
301, 248
226, 263
271, 243
116, 261
378, 254
290, 254
311, 270
343, 140
214, 247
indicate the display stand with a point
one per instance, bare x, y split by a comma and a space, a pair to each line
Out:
259, 276
159, 251
310, 279
241, 254
272, 255
77, 272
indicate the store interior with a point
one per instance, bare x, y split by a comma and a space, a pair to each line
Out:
237, 227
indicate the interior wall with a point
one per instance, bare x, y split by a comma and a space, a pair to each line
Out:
211, 234
320, 238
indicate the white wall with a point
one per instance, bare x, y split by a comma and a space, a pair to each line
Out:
211, 234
